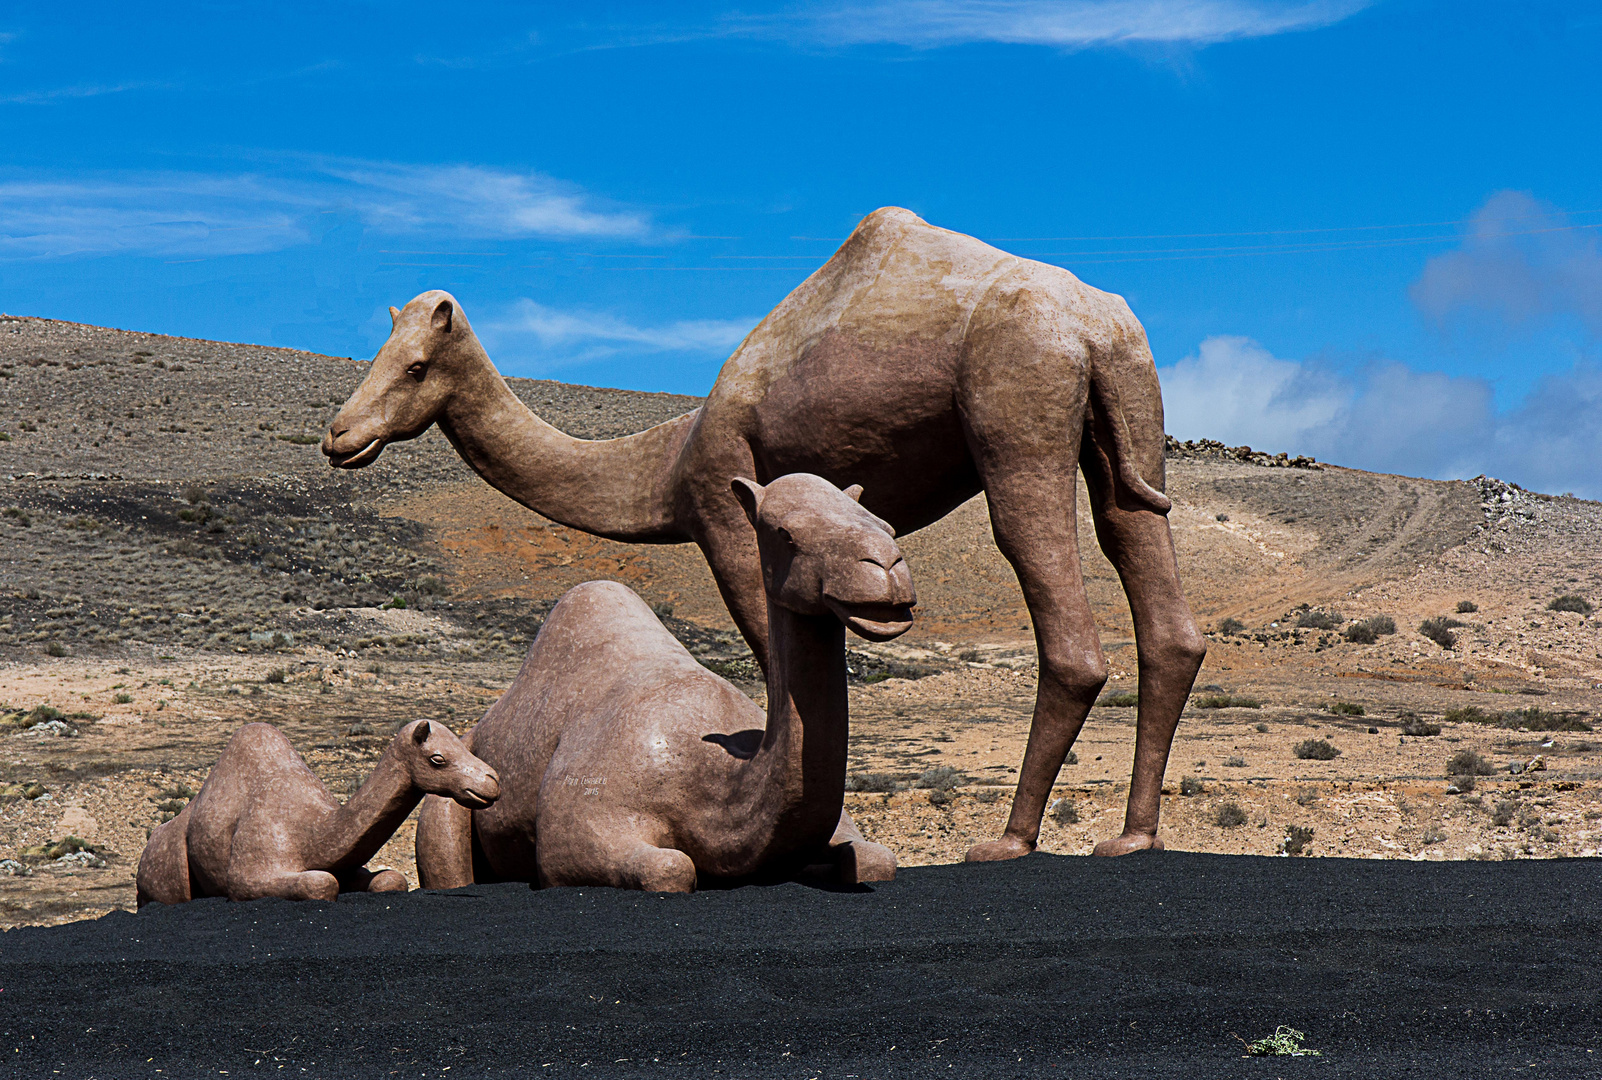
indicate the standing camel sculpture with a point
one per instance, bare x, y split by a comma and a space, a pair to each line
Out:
625, 762
927, 366
264, 825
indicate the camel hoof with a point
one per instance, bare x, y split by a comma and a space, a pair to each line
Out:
999, 850
387, 880
862, 861
1128, 842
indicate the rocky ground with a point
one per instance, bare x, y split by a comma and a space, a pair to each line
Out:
175, 560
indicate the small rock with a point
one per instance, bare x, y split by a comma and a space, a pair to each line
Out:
82, 858
14, 868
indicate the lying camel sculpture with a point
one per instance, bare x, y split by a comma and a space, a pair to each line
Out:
264, 825
920, 362
624, 762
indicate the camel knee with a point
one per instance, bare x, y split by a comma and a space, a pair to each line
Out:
1073, 673
655, 869
1178, 647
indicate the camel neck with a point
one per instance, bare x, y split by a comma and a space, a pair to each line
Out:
808, 719
621, 489
353, 833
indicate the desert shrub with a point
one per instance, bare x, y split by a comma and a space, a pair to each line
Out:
1538, 719
1297, 837
193, 494
1225, 701
1119, 699
1417, 725
1466, 607
1468, 714
1465, 783
1369, 630
1347, 708
1316, 750
1071, 759
1064, 812
1504, 812
55, 648
1432, 835
1319, 620
1439, 630
1261, 729
1227, 815
122, 698
1306, 797
1235, 762
375, 669
428, 585
941, 776
1231, 626
1192, 785
19, 515
300, 440
276, 675
942, 797
1468, 763
880, 782
43, 714
1570, 602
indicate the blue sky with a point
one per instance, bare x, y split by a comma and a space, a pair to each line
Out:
1364, 230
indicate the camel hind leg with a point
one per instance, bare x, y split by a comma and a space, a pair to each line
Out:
1023, 408
164, 867
1138, 542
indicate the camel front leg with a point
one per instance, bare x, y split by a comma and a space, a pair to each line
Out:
444, 844
255, 882
361, 879
859, 860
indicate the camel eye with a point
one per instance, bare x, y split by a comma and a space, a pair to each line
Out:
437, 760
417, 370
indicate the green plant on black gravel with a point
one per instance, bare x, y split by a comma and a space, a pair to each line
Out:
1439, 630
1467, 607
1227, 815
1297, 837
1319, 620
1570, 602
1347, 708
1316, 750
1119, 699
1285, 1042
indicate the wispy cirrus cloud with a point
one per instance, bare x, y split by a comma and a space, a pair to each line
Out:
204, 214
549, 338
1064, 24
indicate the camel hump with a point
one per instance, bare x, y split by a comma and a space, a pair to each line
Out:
257, 738
604, 613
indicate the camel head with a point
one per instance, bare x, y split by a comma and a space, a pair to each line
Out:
822, 554
440, 764
430, 350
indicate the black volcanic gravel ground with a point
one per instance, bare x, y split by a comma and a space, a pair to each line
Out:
1145, 966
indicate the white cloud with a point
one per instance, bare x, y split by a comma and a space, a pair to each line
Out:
1522, 262
177, 213
1069, 24
1390, 418
552, 338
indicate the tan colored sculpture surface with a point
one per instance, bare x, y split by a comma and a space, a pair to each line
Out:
624, 762
264, 825
919, 362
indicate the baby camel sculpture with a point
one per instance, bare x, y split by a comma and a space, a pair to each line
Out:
264, 825
920, 362
624, 762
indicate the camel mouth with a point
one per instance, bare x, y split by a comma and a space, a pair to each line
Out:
365, 456
473, 800
875, 622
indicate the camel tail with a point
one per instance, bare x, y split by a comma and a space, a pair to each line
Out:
1108, 410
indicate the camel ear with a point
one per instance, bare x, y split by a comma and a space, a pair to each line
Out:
394, 316
749, 492
854, 493
443, 315
421, 733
